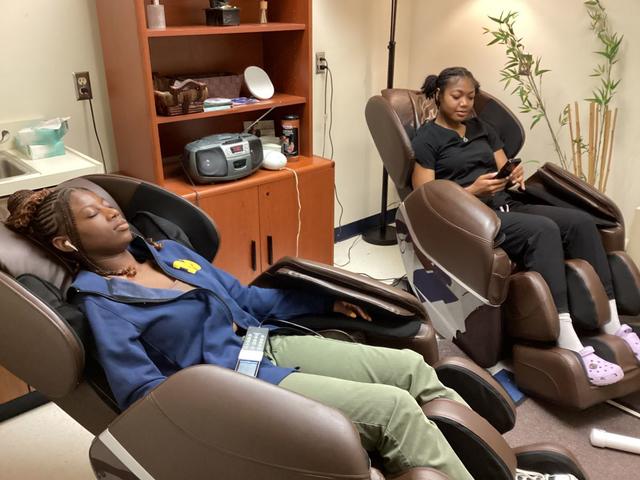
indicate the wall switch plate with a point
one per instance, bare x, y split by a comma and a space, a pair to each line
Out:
82, 83
321, 62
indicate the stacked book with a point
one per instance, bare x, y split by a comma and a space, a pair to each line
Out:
213, 104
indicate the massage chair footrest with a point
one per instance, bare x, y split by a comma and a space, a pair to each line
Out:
557, 375
549, 458
479, 389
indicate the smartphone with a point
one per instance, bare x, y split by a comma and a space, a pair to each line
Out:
507, 168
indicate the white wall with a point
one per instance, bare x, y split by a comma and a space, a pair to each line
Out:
559, 33
43, 41
354, 35
433, 35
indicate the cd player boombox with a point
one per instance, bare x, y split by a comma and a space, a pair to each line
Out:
222, 157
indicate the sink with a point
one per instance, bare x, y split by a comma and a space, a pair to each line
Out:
11, 166
17, 173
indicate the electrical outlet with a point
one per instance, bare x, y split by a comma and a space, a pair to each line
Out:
82, 83
321, 62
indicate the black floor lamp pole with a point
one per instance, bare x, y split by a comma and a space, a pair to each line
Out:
385, 234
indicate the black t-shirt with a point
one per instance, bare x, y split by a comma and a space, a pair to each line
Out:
460, 159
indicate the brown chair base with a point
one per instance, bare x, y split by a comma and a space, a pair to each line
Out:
482, 340
556, 374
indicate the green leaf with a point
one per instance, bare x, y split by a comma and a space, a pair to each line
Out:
536, 119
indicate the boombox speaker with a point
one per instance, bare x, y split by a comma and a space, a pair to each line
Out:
222, 157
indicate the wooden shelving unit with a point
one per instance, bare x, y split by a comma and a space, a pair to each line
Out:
187, 30
278, 100
148, 144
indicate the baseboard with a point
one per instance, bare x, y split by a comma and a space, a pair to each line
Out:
21, 404
360, 226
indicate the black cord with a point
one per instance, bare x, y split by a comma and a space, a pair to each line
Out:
292, 325
335, 191
95, 129
330, 110
349, 253
324, 116
335, 188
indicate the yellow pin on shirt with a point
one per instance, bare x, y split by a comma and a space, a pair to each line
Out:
187, 265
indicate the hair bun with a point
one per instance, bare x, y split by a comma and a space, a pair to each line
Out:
429, 86
17, 199
22, 206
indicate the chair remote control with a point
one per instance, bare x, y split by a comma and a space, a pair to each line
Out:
252, 351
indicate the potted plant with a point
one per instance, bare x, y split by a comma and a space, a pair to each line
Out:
524, 70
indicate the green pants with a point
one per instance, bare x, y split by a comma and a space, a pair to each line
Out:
380, 390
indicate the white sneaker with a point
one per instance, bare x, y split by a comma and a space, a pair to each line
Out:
529, 475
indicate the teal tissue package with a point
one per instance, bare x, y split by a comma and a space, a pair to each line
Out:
43, 139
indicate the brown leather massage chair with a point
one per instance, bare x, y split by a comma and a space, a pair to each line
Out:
203, 422
473, 293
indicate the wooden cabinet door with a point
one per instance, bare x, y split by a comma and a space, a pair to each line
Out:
11, 387
278, 220
279, 217
316, 237
236, 216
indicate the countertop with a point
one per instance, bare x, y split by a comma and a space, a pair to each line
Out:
48, 172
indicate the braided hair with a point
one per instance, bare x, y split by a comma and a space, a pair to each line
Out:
44, 214
434, 83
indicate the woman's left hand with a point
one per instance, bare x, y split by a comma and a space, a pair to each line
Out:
517, 176
350, 310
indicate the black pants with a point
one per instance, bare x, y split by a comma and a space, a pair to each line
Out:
541, 237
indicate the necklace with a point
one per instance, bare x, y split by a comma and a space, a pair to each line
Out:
465, 139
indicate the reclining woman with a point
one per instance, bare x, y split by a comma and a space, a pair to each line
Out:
469, 152
155, 308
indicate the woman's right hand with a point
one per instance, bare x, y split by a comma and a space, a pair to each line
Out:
487, 184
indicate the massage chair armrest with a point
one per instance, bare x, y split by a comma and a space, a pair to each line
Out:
456, 231
298, 273
557, 186
577, 191
206, 421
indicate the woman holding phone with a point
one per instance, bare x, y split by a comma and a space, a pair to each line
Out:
469, 152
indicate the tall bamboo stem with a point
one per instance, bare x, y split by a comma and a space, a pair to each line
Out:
579, 138
613, 132
604, 148
573, 143
592, 135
